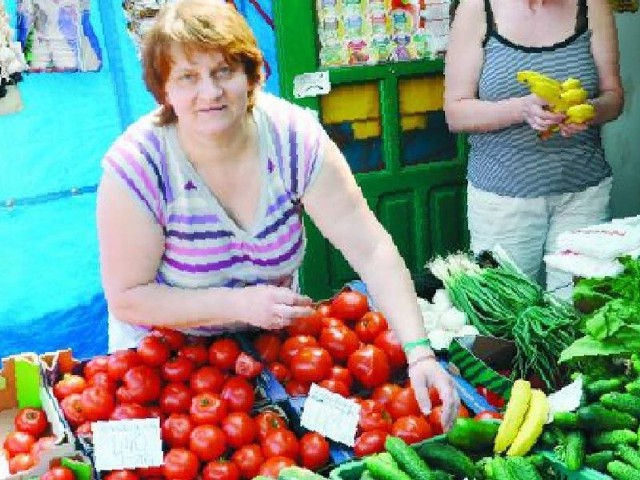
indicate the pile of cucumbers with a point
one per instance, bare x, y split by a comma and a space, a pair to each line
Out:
602, 433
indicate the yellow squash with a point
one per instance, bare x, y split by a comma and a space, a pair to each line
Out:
513, 415
532, 426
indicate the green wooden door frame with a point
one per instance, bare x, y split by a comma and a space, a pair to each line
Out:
429, 194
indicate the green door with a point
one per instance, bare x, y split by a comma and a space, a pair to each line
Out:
388, 120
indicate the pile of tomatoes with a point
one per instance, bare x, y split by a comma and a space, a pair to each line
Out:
350, 350
30, 437
203, 392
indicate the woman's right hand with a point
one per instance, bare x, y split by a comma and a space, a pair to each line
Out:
272, 308
535, 113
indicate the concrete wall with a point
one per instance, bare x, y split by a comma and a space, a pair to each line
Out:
622, 137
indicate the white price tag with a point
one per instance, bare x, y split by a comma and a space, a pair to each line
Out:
331, 415
311, 84
124, 444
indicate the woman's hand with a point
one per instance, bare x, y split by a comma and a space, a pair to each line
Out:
426, 372
535, 113
272, 307
570, 129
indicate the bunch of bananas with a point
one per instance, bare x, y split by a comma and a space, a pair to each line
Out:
524, 417
568, 97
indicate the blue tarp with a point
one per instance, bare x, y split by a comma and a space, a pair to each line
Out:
50, 152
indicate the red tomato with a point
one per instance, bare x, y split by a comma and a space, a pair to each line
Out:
31, 420
311, 364
412, 429
268, 347
95, 365
207, 407
340, 342
331, 322
280, 442
434, 396
493, 398
239, 428
42, 445
272, 466
248, 459
176, 430
207, 379
463, 412
369, 443
175, 398
342, 374
295, 388
97, 403
102, 379
120, 361
310, 325
403, 403
335, 386
370, 405
383, 393
349, 305
58, 473
375, 421
280, 371
142, 383
370, 326
239, 394
172, 338
121, 475
220, 470
488, 415
370, 366
18, 442
150, 472
177, 369
72, 409
20, 463
153, 351
388, 342
324, 309
314, 450
223, 353
126, 411
268, 420
197, 353
247, 366
180, 464
435, 420
68, 384
292, 345
207, 442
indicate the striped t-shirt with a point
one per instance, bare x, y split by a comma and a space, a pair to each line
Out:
513, 161
204, 247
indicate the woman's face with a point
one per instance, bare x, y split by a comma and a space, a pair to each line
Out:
209, 96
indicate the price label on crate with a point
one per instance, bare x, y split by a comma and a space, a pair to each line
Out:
124, 444
331, 415
311, 84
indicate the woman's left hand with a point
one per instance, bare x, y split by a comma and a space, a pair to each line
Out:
426, 373
570, 129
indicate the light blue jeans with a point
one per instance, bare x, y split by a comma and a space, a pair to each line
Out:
527, 228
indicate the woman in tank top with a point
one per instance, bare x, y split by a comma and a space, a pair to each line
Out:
525, 188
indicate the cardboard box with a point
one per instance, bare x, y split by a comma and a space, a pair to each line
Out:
478, 360
21, 385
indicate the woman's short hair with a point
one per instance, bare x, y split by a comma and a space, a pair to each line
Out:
198, 26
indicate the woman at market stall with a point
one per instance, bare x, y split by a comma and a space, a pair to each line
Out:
524, 189
200, 204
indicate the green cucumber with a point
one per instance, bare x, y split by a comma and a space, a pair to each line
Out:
448, 458
496, 469
382, 469
407, 458
298, 473
566, 420
599, 460
600, 387
623, 402
621, 471
611, 440
630, 455
472, 435
522, 469
598, 417
574, 450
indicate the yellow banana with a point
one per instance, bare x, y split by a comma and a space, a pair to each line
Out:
580, 113
532, 426
570, 83
513, 415
530, 77
549, 92
574, 96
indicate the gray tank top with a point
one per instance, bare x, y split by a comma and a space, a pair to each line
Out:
513, 161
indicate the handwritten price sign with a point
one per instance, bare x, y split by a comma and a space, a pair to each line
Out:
127, 444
